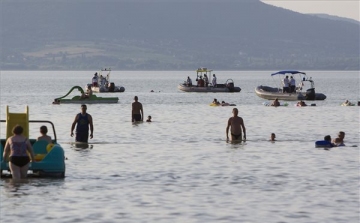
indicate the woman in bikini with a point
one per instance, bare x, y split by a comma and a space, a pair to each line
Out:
18, 146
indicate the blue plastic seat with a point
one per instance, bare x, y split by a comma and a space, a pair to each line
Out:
40, 147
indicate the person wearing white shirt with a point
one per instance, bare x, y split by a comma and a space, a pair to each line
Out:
286, 85
292, 85
214, 80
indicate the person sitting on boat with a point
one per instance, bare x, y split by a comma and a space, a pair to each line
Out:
189, 82
95, 80
214, 81
216, 101
206, 79
286, 85
87, 94
200, 82
275, 102
292, 85
44, 136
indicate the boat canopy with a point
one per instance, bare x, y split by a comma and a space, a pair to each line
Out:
283, 72
203, 69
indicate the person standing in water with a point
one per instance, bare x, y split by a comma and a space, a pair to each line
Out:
137, 113
237, 126
82, 121
17, 147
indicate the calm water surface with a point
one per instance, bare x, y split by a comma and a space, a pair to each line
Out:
179, 168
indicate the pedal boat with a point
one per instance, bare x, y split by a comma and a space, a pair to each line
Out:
50, 158
93, 99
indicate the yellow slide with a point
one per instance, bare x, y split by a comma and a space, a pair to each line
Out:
13, 119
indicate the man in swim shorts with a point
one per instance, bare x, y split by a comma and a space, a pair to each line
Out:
137, 113
82, 121
237, 126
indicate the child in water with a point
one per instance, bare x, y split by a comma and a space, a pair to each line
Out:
149, 119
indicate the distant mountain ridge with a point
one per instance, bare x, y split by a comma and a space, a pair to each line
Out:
333, 17
171, 35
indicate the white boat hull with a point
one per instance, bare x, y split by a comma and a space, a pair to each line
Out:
219, 89
271, 93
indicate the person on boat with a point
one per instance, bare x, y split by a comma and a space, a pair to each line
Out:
149, 119
137, 112
275, 102
200, 82
292, 85
214, 81
206, 80
286, 85
215, 101
95, 80
189, 82
44, 136
17, 147
237, 126
83, 122
88, 93
358, 103
339, 141
272, 137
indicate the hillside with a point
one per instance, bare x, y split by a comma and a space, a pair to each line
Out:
159, 35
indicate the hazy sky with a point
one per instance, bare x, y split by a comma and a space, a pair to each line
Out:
343, 8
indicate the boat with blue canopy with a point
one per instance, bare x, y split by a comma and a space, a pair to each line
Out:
290, 92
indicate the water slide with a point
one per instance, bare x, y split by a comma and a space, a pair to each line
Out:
13, 119
73, 88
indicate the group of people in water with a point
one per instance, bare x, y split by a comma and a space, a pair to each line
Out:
338, 141
223, 103
201, 81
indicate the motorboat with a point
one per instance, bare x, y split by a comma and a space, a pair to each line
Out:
82, 99
271, 93
101, 82
50, 157
201, 75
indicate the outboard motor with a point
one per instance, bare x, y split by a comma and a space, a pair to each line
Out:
230, 87
310, 94
112, 87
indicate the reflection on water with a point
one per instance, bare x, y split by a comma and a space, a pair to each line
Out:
180, 167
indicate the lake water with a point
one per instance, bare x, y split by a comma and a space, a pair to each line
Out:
179, 168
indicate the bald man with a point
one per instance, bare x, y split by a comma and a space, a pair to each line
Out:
237, 127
